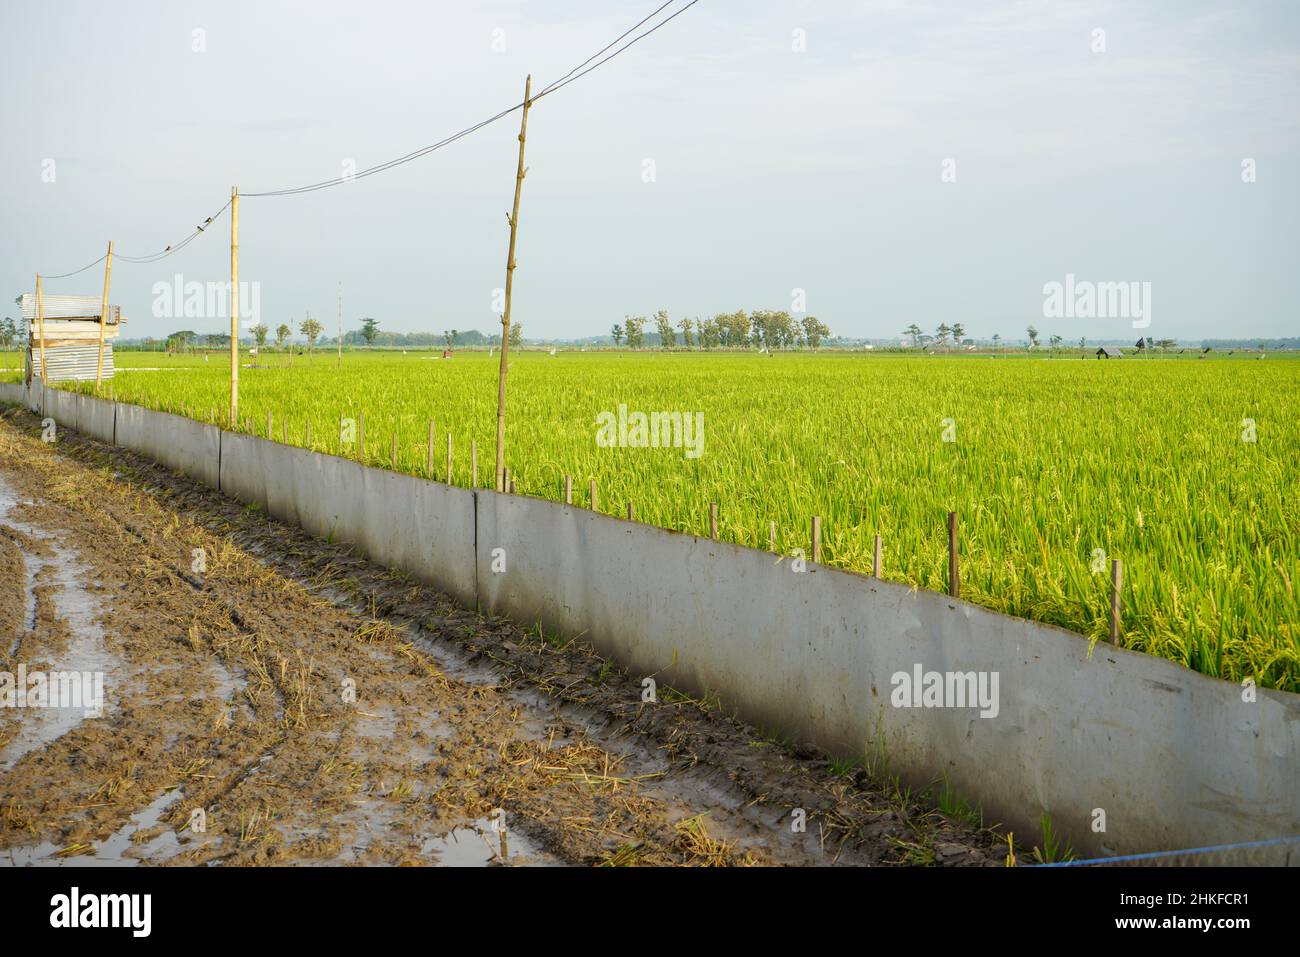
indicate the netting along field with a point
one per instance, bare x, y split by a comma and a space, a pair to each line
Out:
1051, 460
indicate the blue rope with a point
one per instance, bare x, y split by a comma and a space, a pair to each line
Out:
1157, 854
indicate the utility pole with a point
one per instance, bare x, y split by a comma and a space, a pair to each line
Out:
510, 272
103, 316
40, 321
234, 305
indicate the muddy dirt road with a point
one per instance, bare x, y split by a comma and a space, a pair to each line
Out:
269, 699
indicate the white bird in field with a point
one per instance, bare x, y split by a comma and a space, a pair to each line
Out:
552, 352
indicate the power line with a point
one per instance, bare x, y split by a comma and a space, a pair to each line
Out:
577, 73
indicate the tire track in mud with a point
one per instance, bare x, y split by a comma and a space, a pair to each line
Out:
318, 708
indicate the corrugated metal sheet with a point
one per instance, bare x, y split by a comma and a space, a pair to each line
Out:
72, 362
69, 307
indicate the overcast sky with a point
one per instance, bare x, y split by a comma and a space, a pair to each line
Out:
774, 169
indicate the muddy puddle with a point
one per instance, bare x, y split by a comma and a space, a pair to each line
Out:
54, 574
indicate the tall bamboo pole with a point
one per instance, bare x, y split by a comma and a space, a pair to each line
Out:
40, 321
103, 316
510, 272
340, 364
234, 303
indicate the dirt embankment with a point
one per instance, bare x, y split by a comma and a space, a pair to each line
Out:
270, 698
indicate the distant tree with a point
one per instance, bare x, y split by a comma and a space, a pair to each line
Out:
943, 332
632, 326
1083, 342
996, 339
311, 329
914, 331
617, 332
710, 336
1033, 337
814, 330
8, 332
667, 334
517, 335
260, 332
958, 332
686, 325
282, 332
369, 329
1054, 340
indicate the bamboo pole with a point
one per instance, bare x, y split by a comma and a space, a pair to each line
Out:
817, 538
713, 521
568, 490
510, 274
631, 512
340, 363
40, 319
954, 568
103, 316
591, 492
1116, 585
234, 303
876, 561
505, 480
771, 536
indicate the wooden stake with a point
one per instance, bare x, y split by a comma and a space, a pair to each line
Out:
429, 467
631, 512
713, 521
510, 274
448, 458
40, 319
817, 538
513, 490
954, 569
505, 480
771, 536
591, 492
876, 559
234, 303
103, 316
1116, 586
568, 490
473, 463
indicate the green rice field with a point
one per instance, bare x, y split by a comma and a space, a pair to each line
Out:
1055, 466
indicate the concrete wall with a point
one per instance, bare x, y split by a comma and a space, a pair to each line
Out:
424, 528
96, 418
61, 406
13, 393
179, 443
1174, 758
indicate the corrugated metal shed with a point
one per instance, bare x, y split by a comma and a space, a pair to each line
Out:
71, 362
69, 307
